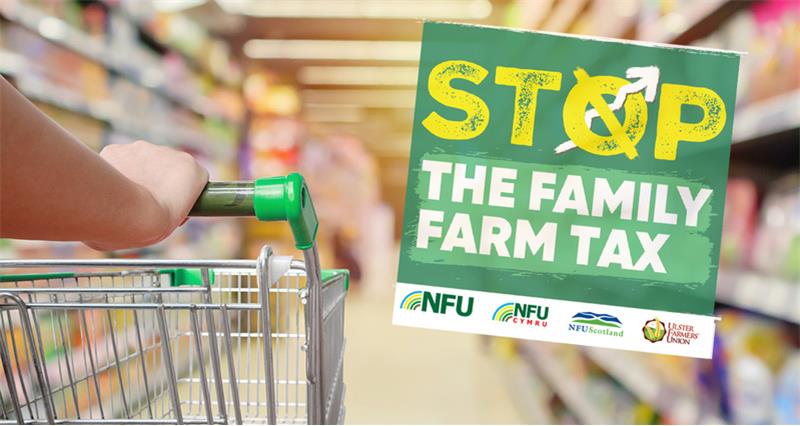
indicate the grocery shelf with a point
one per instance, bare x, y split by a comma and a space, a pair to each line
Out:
527, 390
673, 403
567, 387
78, 41
772, 296
191, 61
64, 99
774, 115
112, 113
696, 22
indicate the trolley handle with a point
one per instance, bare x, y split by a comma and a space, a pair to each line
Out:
269, 199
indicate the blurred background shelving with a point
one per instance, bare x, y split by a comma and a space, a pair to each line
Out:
96, 70
754, 375
255, 88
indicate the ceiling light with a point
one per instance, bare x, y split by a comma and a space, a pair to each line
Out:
175, 5
359, 76
321, 113
365, 98
333, 49
53, 28
374, 9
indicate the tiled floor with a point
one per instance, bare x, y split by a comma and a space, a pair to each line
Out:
405, 375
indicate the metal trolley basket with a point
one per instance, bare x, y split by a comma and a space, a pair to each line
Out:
195, 342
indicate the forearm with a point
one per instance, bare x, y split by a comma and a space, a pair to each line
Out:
53, 187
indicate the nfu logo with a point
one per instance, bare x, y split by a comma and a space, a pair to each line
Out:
522, 314
438, 303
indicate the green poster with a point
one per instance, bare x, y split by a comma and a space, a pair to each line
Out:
576, 183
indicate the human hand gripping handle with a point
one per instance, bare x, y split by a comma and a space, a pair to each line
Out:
177, 186
167, 183
281, 198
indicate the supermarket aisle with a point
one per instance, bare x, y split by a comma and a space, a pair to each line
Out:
404, 375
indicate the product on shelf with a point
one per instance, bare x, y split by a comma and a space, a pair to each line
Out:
87, 130
777, 245
751, 391
787, 392
755, 352
769, 31
763, 237
182, 34
741, 213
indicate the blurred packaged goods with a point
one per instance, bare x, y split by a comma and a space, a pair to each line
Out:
188, 38
343, 176
755, 353
760, 255
90, 132
266, 95
759, 279
114, 73
763, 236
741, 215
787, 392
273, 146
769, 31
345, 186
98, 69
777, 241
753, 361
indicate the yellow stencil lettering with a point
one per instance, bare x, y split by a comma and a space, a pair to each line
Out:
528, 82
475, 108
671, 129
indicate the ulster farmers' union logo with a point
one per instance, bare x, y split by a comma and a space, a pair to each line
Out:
654, 330
592, 323
437, 303
522, 314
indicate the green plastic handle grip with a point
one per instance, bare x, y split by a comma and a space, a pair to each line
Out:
281, 198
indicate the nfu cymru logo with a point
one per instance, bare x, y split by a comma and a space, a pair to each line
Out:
437, 303
592, 323
522, 314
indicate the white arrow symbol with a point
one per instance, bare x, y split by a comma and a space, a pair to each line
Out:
647, 82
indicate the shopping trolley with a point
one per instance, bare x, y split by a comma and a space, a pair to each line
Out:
195, 341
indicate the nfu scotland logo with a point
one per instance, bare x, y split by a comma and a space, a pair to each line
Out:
522, 314
437, 303
593, 323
